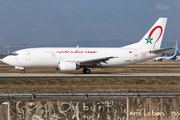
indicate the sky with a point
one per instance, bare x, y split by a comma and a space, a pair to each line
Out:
55, 22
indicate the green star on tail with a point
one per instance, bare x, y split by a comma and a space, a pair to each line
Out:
148, 40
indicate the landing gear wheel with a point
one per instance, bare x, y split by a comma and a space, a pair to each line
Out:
23, 71
87, 71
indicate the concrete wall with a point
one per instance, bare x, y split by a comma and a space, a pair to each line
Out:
3, 112
141, 108
155, 108
68, 110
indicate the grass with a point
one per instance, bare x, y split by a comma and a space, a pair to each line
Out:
76, 85
85, 85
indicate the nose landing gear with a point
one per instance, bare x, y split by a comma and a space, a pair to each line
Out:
20, 68
86, 71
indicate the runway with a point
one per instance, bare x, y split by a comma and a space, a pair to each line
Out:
51, 75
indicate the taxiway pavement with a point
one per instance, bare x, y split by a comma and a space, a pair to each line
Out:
48, 75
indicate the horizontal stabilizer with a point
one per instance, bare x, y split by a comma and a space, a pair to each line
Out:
161, 50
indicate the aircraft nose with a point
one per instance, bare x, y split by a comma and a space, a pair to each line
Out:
5, 60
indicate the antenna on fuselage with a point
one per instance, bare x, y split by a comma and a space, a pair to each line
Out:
77, 46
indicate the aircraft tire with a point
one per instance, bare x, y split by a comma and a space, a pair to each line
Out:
23, 71
86, 71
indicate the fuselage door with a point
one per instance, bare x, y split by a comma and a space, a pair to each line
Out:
135, 55
28, 55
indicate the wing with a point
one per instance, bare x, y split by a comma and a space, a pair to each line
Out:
94, 62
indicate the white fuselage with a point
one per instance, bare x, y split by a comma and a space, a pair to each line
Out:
50, 57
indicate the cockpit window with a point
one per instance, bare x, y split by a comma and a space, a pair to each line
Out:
14, 54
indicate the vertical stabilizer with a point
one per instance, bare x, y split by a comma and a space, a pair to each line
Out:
176, 47
154, 36
174, 56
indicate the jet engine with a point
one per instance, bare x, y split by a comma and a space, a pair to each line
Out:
67, 66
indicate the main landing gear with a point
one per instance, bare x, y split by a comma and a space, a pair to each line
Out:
22, 71
86, 70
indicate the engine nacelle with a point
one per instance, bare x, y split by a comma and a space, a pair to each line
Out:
67, 66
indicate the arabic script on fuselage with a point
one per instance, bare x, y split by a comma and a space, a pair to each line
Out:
76, 51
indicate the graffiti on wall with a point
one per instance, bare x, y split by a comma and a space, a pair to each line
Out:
164, 108
72, 110
152, 112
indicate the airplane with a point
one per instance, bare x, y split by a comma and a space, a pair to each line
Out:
73, 58
174, 57
178, 57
